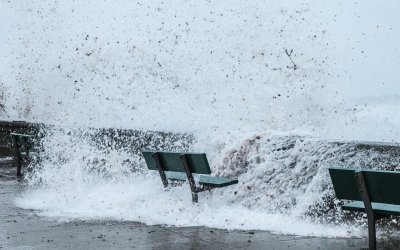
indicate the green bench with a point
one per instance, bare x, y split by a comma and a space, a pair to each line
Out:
183, 167
23, 149
374, 192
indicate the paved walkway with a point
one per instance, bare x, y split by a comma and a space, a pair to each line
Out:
22, 229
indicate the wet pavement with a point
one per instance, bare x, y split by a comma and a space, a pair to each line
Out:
23, 229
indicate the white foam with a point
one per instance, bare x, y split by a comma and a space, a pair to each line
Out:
142, 199
77, 180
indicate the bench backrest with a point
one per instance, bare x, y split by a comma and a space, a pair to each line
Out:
383, 186
22, 141
345, 183
172, 162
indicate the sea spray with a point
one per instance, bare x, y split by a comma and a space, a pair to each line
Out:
192, 67
228, 76
284, 184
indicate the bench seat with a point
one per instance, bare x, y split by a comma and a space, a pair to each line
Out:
213, 181
378, 208
31, 154
210, 181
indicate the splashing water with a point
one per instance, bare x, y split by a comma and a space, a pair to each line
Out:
325, 68
224, 72
283, 184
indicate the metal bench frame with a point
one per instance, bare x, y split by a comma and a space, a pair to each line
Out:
178, 167
194, 189
371, 216
24, 143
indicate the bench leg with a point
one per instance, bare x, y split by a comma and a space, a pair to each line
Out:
19, 166
17, 156
195, 197
193, 188
160, 170
371, 233
362, 186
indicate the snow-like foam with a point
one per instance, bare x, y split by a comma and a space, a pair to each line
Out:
142, 199
283, 184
